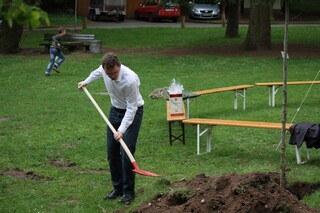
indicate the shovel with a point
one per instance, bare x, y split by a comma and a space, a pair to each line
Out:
123, 144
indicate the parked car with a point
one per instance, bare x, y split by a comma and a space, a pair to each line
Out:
204, 9
107, 10
153, 10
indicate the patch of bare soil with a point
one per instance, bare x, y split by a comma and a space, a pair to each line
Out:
255, 192
62, 163
95, 171
294, 51
3, 119
18, 173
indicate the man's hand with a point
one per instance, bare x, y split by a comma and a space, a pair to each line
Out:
81, 84
118, 135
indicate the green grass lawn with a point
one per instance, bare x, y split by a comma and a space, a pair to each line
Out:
50, 129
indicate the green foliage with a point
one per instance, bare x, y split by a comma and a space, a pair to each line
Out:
241, 189
23, 13
64, 19
302, 6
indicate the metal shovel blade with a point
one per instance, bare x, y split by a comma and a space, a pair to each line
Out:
142, 172
123, 144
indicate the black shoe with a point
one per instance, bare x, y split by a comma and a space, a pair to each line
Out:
113, 195
56, 68
126, 198
47, 74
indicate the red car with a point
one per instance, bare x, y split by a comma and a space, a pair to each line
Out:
153, 10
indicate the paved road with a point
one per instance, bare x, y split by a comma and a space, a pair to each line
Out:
132, 23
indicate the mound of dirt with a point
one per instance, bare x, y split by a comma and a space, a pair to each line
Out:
254, 192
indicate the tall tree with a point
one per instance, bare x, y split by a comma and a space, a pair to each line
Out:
232, 30
10, 35
17, 13
259, 31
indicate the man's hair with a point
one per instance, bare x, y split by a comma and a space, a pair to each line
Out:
60, 29
110, 60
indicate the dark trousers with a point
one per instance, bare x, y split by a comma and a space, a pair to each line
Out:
122, 176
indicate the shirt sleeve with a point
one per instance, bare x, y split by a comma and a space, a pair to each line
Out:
94, 75
56, 39
132, 93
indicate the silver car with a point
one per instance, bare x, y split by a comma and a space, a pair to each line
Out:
204, 9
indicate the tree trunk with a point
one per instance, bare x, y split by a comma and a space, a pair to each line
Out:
232, 30
271, 9
259, 31
183, 21
223, 13
10, 37
84, 22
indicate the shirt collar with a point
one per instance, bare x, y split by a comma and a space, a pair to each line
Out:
119, 75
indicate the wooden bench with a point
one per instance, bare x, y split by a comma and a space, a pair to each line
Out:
239, 91
274, 86
81, 41
210, 123
47, 41
70, 41
172, 119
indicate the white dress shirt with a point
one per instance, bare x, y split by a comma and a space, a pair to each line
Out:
124, 92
